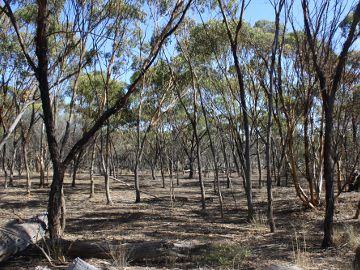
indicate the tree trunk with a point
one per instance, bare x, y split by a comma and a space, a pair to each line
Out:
92, 183
4, 168
258, 162
328, 241
308, 173
56, 203
76, 167
26, 163
107, 179
42, 158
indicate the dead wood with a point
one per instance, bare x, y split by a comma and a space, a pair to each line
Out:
126, 184
18, 235
79, 264
135, 252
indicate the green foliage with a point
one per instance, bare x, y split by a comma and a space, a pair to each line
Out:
345, 24
91, 97
224, 255
124, 10
205, 40
27, 13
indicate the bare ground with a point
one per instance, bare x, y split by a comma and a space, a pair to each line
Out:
297, 238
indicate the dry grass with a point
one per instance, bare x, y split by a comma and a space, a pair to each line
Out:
301, 256
346, 236
120, 256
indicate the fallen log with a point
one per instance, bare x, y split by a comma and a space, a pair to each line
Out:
18, 235
79, 264
134, 252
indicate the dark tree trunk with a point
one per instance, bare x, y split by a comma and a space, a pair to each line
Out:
328, 174
55, 207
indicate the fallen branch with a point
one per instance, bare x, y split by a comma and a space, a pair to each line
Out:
17, 236
126, 184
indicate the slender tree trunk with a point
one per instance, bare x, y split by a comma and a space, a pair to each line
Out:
11, 164
177, 173
307, 157
236, 163
226, 161
4, 168
258, 162
42, 157
92, 183
76, 167
107, 179
201, 181
26, 163
320, 162
153, 172
191, 167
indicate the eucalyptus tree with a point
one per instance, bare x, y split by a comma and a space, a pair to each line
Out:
278, 6
329, 69
184, 83
233, 37
43, 60
17, 89
90, 99
155, 100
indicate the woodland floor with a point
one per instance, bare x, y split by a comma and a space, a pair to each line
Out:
297, 239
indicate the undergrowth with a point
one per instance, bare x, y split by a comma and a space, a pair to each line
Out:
223, 256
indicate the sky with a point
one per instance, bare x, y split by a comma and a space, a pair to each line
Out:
259, 10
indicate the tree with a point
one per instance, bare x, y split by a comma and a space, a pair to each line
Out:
234, 40
329, 84
41, 66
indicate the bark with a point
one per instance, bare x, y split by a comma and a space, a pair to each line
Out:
328, 175
55, 206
